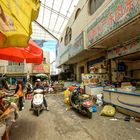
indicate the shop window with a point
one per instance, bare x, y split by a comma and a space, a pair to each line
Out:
68, 35
94, 5
77, 13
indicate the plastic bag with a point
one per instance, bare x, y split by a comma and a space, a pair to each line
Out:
66, 97
66, 101
66, 93
108, 110
99, 101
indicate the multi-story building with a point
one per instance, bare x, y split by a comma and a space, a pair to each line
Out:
20, 71
95, 26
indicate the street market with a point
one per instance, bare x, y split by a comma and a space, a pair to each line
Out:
70, 70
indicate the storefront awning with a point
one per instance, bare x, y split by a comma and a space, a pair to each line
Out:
32, 54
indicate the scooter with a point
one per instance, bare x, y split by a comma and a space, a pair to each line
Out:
81, 102
38, 101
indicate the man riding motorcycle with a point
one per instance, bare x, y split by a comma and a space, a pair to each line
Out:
39, 86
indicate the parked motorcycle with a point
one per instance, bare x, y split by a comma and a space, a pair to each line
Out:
38, 101
82, 102
29, 88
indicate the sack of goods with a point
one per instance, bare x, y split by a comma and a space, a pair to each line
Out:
108, 110
66, 96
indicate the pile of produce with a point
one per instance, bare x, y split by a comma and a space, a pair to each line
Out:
5, 103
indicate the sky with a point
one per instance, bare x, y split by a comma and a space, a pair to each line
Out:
51, 47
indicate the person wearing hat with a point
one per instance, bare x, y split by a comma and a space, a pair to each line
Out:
39, 86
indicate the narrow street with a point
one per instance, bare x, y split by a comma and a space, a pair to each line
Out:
61, 123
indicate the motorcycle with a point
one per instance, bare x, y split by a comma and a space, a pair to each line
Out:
81, 102
38, 101
29, 88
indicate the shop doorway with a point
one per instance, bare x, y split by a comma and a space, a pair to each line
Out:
81, 70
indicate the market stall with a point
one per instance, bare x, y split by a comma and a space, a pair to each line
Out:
96, 79
125, 90
128, 100
8, 112
58, 86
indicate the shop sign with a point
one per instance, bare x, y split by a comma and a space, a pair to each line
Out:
77, 47
42, 68
118, 13
124, 50
64, 56
65, 52
38, 68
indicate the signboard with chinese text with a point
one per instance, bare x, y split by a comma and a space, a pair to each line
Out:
72, 49
118, 13
42, 68
64, 56
124, 50
77, 47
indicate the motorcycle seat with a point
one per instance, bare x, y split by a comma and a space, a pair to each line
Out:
84, 96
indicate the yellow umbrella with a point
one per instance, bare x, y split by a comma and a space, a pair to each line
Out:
15, 21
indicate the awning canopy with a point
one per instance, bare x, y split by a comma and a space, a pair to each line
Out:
31, 54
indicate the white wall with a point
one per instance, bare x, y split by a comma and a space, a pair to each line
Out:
46, 55
3, 63
83, 20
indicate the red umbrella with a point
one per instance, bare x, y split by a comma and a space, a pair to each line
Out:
32, 54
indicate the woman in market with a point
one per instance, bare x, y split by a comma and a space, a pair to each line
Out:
19, 92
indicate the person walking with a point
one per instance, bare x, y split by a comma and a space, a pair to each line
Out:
19, 92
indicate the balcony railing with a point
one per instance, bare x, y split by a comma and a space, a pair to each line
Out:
15, 69
2, 69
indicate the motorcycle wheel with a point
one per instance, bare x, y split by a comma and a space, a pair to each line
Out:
89, 113
37, 113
